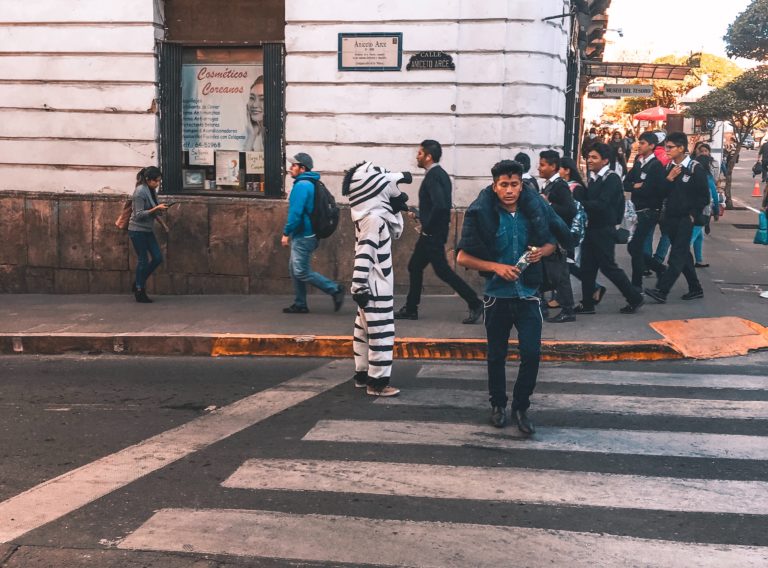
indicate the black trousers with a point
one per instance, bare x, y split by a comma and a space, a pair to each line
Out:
559, 276
598, 252
646, 223
679, 230
501, 314
432, 251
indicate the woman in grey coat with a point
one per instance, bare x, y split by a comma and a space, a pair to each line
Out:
141, 229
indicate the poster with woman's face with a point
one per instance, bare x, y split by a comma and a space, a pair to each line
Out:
223, 107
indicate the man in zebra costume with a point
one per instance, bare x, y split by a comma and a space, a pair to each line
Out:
375, 204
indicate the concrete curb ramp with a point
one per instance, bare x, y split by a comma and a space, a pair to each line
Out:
699, 338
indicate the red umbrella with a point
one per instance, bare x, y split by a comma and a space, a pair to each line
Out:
655, 113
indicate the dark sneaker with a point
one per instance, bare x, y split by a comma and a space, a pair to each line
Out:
524, 423
693, 295
632, 308
338, 299
294, 309
475, 315
404, 314
361, 379
584, 310
499, 416
656, 295
702, 265
562, 317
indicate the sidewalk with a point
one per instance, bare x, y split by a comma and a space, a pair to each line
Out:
255, 325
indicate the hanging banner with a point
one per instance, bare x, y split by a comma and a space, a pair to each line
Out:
223, 107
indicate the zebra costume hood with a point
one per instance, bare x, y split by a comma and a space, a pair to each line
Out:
373, 190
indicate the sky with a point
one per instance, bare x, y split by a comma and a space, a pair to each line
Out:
653, 28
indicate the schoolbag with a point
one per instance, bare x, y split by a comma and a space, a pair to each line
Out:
579, 224
325, 215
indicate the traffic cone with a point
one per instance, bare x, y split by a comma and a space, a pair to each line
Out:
756, 191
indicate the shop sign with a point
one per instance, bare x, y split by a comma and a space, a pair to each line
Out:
430, 60
222, 108
370, 52
626, 90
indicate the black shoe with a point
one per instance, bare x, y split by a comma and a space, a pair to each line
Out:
583, 310
647, 272
701, 265
141, 297
563, 317
657, 295
405, 314
499, 416
338, 299
361, 379
294, 309
693, 295
475, 315
632, 308
524, 423
599, 293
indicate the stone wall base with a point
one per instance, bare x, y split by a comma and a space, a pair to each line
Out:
68, 244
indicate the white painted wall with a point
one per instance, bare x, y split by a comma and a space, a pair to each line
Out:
508, 87
76, 100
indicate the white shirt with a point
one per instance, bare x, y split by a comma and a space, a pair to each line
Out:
601, 174
647, 159
552, 180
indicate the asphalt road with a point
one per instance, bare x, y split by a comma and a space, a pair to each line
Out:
165, 462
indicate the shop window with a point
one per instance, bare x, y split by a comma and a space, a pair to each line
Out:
215, 103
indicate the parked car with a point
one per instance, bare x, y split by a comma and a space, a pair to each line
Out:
749, 142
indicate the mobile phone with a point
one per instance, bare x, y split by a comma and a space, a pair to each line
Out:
171, 203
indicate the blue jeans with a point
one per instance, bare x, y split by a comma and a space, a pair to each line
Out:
145, 244
697, 240
501, 314
299, 266
662, 248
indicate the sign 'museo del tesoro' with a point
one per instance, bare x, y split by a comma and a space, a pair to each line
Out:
430, 60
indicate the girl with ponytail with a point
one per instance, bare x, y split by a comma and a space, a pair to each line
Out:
146, 210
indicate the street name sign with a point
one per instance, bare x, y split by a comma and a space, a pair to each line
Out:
370, 51
626, 90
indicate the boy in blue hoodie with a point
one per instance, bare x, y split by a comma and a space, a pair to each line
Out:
299, 234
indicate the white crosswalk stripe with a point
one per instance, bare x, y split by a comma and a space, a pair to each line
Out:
606, 377
361, 541
331, 538
505, 484
633, 442
604, 404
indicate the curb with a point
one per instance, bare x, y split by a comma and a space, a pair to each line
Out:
330, 346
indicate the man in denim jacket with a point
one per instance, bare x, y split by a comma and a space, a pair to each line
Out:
499, 226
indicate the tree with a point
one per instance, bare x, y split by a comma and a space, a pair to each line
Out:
743, 103
747, 36
719, 70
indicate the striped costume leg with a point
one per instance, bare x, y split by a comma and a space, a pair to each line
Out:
380, 326
360, 342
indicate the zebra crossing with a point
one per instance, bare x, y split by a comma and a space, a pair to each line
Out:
390, 459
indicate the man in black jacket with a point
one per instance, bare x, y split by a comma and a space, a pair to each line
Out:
603, 201
435, 217
645, 182
559, 195
687, 194
498, 229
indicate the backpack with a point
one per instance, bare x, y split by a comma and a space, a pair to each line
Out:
579, 224
325, 215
